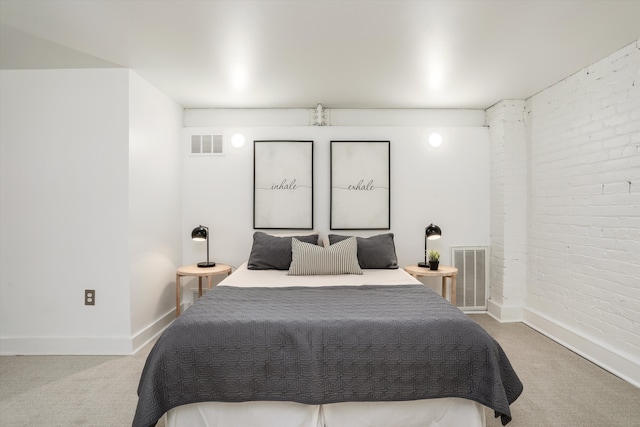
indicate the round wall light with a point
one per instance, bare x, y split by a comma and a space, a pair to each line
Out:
237, 140
435, 139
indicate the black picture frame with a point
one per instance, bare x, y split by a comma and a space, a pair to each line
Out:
283, 184
360, 185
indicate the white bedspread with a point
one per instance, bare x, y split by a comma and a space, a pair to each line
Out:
244, 277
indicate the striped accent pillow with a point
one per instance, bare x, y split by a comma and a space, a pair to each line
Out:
339, 258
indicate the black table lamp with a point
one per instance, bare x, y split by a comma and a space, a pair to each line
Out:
199, 234
432, 232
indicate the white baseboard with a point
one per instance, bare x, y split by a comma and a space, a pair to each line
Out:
148, 334
598, 353
65, 346
504, 313
11, 346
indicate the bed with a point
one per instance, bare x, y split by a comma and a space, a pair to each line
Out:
308, 347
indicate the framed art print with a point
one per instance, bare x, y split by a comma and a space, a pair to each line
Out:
283, 184
360, 185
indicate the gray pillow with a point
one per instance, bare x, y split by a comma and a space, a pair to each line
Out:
373, 252
309, 260
272, 252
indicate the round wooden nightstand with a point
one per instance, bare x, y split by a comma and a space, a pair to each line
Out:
442, 271
199, 272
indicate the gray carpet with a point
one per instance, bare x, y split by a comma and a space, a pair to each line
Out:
560, 388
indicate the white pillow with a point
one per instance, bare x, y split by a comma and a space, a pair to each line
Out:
339, 258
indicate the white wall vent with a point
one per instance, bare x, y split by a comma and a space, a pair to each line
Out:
472, 281
207, 144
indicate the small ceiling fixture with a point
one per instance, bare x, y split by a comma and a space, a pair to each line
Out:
320, 116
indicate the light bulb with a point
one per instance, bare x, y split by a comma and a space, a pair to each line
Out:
237, 140
435, 139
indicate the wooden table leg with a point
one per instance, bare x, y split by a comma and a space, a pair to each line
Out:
199, 286
444, 287
177, 295
453, 289
210, 281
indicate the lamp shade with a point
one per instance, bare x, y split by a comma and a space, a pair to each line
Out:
433, 232
200, 233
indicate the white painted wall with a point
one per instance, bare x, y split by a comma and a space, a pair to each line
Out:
64, 207
507, 131
584, 212
448, 186
155, 123
90, 200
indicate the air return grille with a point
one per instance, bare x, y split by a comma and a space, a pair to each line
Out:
472, 280
207, 144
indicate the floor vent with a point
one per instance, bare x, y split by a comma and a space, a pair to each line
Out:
207, 144
472, 281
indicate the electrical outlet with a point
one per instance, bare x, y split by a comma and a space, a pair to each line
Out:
89, 297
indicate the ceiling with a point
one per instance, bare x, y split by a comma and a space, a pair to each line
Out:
343, 54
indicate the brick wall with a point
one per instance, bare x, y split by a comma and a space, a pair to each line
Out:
507, 133
584, 203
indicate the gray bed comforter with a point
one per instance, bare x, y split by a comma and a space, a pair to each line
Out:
324, 345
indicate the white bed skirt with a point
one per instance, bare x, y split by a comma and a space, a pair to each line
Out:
446, 412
